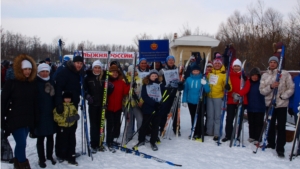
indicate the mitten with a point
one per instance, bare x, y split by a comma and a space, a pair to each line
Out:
236, 97
203, 81
110, 88
227, 87
180, 86
71, 119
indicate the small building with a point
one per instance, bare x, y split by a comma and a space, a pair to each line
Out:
192, 45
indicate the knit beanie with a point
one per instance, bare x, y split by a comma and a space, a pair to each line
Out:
273, 58
141, 59
196, 67
237, 62
153, 71
43, 66
67, 94
96, 63
77, 59
170, 57
66, 58
218, 61
26, 64
209, 63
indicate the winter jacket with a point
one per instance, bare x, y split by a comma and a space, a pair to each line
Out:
192, 89
10, 74
94, 86
59, 69
217, 90
295, 99
46, 125
235, 79
121, 89
23, 94
285, 88
68, 79
69, 110
149, 105
162, 76
137, 90
256, 101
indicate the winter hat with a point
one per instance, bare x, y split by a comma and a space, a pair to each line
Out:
255, 71
196, 67
170, 57
217, 61
96, 63
66, 58
130, 69
273, 58
218, 56
26, 64
126, 64
153, 71
77, 59
43, 66
237, 62
67, 94
141, 59
192, 57
209, 63
47, 59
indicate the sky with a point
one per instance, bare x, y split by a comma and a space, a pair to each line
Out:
119, 21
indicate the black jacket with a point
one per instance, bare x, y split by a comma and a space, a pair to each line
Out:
94, 86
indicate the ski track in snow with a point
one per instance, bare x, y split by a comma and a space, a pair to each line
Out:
181, 150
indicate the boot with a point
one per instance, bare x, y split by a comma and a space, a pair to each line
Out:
16, 164
42, 163
24, 165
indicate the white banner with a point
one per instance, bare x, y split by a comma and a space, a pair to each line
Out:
104, 54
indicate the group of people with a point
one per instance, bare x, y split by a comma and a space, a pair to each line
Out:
40, 105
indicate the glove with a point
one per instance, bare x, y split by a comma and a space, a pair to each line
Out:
110, 88
227, 87
134, 85
180, 86
236, 97
203, 82
290, 111
60, 108
71, 119
184, 104
89, 98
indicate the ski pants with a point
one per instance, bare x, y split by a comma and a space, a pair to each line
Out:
113, 125
95, 113
256, 123
298, 133
134, 112
193, 109
279, 115
20, 136
232, 109
154, 119
214, 110
66, 142
49, 147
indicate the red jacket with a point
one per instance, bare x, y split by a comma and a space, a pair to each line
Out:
115, 99
235, 79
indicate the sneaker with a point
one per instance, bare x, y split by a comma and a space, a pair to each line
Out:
73, 162
225, 139
102, 148
251, 140
280, 154
216, 138
154, 147
52, 160
158, 140
42, 164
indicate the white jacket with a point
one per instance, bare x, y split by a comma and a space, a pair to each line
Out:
285, 88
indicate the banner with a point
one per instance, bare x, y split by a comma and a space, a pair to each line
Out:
104, 54
154, 50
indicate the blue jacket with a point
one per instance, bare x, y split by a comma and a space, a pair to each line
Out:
192, 89
256, 101
295, 99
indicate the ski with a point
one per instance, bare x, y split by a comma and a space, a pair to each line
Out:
294, 142
273, 101
199, 102
202, 102
179, 100
235, 131
83, 110
143, 155
104, 104
224, 103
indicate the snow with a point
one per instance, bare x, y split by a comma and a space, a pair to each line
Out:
190, 154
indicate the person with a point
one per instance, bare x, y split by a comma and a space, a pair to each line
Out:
238, 90
46, 127
10, 73
217, 83
193, 61
94, 88
285, 91
256, 107
66, 131
52, 66
63, 65
190, 97
170, 76
152, 92
114, 105
158, 66
22, 94
294, 106
229, 50
4, 67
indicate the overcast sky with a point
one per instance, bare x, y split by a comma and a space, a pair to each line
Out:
119, 21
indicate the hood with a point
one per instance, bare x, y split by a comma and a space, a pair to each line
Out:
147, 81
17, 66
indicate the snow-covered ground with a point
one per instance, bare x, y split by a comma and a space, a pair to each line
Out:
189, 154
